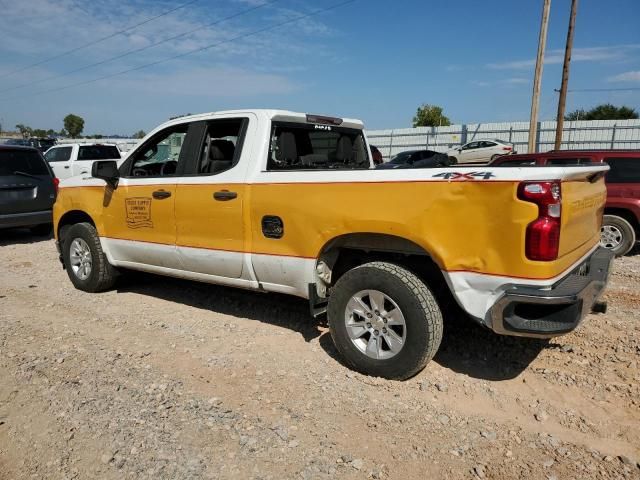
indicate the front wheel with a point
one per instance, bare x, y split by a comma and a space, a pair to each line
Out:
617, 235
384, 320
84, 260
453, 160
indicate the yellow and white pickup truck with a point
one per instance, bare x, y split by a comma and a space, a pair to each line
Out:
286, 202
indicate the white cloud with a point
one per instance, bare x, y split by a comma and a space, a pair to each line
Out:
590, 54
516, 81
626, 77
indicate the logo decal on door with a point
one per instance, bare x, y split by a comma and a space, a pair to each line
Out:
138, 212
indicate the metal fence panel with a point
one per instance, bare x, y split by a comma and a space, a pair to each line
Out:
582, 134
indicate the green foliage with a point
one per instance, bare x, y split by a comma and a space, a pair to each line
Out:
74, 125
139, 134
24, 130
39, 132
606, 111
51, 132
430, 116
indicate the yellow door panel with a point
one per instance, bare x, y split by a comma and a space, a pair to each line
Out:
202, 221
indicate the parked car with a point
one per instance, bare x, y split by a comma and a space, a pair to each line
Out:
42, 144
480, 151
417, 159
20, 142
376, 155
621, 221
71, 159
285, 202
27, 189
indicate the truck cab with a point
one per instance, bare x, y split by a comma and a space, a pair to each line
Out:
70, 159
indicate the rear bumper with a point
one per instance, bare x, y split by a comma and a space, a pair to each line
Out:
544, 312
29, 219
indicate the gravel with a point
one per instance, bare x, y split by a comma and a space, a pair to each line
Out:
169, 379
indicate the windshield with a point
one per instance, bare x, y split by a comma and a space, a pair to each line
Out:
26, 161
98, 152
301, 146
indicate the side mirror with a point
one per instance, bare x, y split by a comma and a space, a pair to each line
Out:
107, 170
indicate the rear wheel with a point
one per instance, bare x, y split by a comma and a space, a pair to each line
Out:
384, 320
617, 235
84, 260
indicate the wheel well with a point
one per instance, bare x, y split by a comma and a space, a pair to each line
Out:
627, 215
349, 251
71, 218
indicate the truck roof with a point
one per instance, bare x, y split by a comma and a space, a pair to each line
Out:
273, 114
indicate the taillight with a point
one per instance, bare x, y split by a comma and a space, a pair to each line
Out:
56, 182
507, 149
543, 234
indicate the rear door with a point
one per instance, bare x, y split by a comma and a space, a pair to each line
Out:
59, 159
26, 183
210, 198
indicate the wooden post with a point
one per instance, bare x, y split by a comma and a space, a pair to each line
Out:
565, 75
537, 79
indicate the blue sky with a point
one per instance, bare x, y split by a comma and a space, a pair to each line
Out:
371, 59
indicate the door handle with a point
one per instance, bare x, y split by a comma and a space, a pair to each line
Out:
161, 194
66, 166
225, 195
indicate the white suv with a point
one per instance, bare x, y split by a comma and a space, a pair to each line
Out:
480, 151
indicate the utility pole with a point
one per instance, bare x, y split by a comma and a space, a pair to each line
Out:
537, 79
565, 75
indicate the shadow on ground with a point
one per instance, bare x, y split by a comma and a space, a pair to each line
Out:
466, 348
19, 236
272, 308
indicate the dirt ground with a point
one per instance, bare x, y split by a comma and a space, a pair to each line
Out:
169, 379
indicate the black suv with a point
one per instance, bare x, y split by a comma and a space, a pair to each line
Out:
28, 189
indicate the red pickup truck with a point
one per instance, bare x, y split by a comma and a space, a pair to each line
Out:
621, 222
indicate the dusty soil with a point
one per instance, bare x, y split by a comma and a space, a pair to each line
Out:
170, 379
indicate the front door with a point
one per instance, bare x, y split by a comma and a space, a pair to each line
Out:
209, 200
139, 215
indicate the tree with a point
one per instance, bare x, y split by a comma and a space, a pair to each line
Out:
51, 132
24, 130
39, 132
430, 116
74, 125
63, 133
605, 111
139, 134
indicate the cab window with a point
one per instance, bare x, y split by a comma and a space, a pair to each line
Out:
159, 156
300, 146
222, 145
59, 154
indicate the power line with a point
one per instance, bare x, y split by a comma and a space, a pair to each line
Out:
94, 42
196, 50
630, 89
141, 49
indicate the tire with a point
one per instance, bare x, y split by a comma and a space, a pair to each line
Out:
617, 235
42, 230
453, 160
402, 290
100, 275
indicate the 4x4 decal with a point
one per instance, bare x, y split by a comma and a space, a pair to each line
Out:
465, 176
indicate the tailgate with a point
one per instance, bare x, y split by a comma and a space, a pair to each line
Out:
583, 198
19, 194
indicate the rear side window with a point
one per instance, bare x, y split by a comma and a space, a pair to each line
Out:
98, 152
300, 146
623, 170
22, 161
569, 161
222, 146
60, 154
